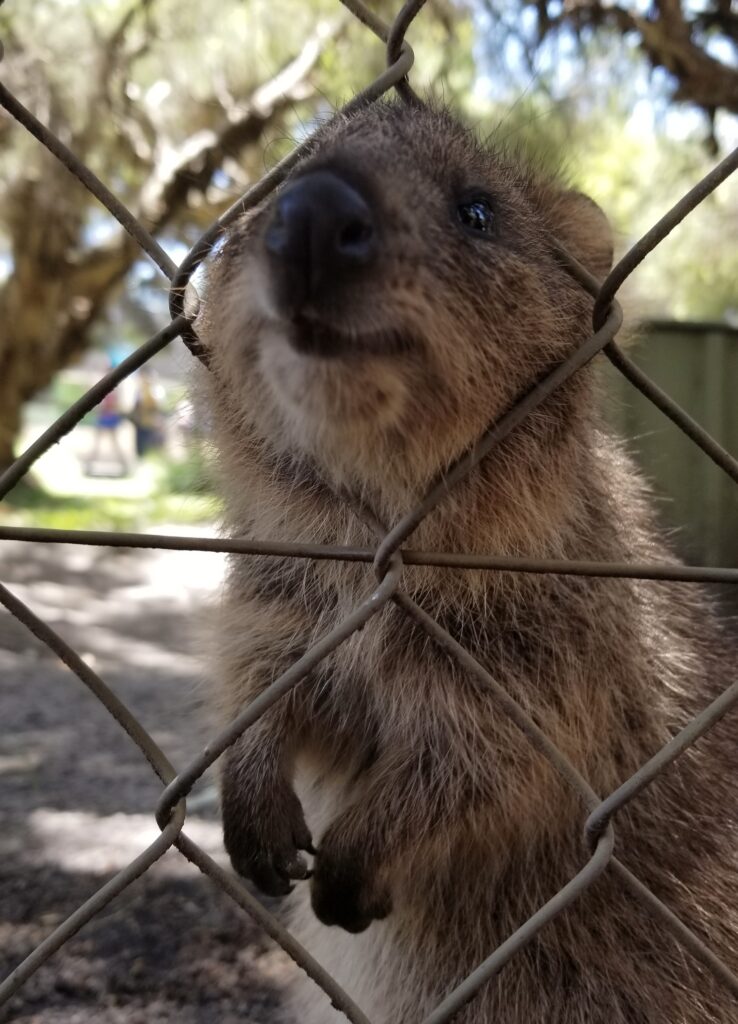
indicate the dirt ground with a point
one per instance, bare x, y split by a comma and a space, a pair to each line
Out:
76, 800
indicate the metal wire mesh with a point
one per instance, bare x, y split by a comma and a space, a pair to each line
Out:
388, 558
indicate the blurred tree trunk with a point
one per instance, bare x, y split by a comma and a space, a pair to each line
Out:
47, 317
53, 295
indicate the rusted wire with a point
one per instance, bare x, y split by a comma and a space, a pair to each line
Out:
675, 573
390, 556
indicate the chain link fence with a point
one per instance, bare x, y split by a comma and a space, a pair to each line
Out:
388, 558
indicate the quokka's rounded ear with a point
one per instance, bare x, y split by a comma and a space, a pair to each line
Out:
584, 230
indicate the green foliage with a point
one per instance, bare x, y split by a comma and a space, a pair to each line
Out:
180, 68
136, 87
179, 498
184, 67
636, 177
188, 474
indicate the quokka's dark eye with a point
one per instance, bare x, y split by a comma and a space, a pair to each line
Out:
477, 215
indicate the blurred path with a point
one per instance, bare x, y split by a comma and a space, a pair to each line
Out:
76, 800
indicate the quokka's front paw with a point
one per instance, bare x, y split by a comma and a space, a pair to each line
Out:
345, 890
263, 834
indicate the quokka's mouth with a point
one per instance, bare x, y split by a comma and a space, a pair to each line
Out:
326, 341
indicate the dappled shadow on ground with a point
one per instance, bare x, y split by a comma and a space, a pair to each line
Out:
96, 571
77, 800
168, 949
120, 609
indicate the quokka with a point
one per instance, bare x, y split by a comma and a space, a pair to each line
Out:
364, 325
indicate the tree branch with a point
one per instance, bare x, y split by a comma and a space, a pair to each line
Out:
191, 168
668, 38
58, 285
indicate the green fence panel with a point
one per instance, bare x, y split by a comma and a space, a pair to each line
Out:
697, 364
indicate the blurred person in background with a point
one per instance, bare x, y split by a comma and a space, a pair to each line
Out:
148, 416
107, 449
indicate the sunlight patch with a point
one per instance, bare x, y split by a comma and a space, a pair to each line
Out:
81, 842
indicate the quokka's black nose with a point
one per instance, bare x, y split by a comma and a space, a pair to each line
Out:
322, 230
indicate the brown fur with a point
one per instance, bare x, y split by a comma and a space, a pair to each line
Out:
433, 817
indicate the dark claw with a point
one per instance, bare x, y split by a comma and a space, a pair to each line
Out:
292, 865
